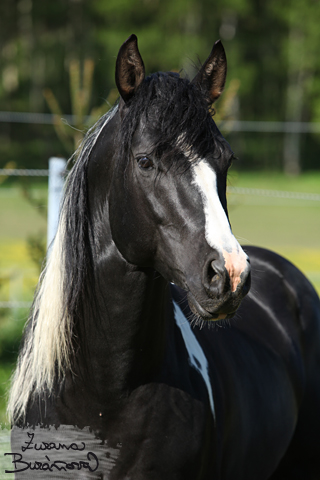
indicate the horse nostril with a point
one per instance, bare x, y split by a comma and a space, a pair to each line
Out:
213, 278
213, 274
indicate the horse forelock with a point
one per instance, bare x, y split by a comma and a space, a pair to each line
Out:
48, 343
176, 115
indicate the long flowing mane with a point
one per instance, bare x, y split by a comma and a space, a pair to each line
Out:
48, 344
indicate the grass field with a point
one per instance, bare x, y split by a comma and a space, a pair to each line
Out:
289, 226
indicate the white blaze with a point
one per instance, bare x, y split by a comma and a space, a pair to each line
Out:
217, 229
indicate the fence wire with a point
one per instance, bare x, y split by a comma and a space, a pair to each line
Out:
275, 193
20, 172
233, 190
7, 172
228, 125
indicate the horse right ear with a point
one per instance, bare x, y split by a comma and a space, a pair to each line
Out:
212, 75
129, 68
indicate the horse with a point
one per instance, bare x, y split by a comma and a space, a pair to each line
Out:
151, 324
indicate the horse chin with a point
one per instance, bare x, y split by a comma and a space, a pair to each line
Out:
206, 315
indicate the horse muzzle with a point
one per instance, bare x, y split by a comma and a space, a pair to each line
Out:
224, 282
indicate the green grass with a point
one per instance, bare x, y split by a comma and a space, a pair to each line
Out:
11, 326
5, 461
308, 182
18, 218
5, 373
290, 227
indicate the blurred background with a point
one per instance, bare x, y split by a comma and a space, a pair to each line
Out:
57, 63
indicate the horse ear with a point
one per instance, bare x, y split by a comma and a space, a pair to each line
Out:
212, 75
129, 68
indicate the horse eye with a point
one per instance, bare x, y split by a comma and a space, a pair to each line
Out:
145, 163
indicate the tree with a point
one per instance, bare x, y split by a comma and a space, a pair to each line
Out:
271, 49
300, 53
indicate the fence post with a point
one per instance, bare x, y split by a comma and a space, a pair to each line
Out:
57, 168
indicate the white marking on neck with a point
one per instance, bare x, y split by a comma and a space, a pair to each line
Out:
197, 358
217, 229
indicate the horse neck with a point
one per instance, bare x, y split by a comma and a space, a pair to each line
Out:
125, 332
137, 303
127, 343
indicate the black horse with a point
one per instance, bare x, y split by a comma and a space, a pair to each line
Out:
144, 249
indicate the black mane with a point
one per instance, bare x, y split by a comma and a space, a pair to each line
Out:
79, 299
175, 110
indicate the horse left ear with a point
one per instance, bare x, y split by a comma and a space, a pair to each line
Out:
212, 75
129, 68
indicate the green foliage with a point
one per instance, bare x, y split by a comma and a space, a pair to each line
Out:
80, 94
5, 374
37, 249
272, 48
11, 330
35, 242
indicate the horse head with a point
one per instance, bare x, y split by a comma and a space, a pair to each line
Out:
167, 200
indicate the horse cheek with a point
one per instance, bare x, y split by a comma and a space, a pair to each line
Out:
130, 230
